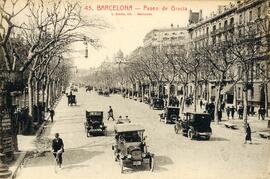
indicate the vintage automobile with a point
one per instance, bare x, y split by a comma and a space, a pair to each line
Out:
121, 120
170, 115
194, 125
88, 88
106, 93
100, 92
94, 124
71, 100
130, 148
157, 103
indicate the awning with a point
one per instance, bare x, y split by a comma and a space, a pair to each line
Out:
227, 89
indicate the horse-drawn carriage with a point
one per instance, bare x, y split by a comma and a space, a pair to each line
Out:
94, 124
71, 100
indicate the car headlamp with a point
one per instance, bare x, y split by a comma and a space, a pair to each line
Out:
143, 155
129, 156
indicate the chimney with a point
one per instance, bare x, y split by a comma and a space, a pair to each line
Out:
177, 25
171, 25
200, 15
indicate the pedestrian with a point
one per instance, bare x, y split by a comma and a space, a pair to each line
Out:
110, 113
263, 112
240, 112
58, 148
232, 111
259, 113
201, 103
52, 113
228, 110
128, 119
248, 134
219, 115
222, 106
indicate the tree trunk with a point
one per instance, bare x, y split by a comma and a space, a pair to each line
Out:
169, 94
183, 99
266, 99
149, 91
142, 91
217, 101
47, 89
158, 90
30, 93
195, 95
245, 97
132, 92
235, 96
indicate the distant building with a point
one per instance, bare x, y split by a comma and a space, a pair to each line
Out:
167, 38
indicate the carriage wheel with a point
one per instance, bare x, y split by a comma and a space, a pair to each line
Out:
190, 134
121, 165
166, 121
151, 163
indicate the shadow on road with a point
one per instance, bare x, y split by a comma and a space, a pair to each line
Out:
218, 139
70, 167
160, 162
70, 157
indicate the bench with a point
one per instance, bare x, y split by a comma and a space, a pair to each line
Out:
230, 125
265, 135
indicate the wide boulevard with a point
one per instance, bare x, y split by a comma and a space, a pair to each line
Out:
224, 156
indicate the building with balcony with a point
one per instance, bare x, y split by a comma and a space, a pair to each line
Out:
173, 38
235, 20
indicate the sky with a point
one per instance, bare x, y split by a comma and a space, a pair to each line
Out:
127, 32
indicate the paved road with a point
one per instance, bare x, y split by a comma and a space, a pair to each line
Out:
224, 156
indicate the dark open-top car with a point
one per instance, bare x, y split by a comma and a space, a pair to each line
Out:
157, 103
72, 99
130, 147
94, 124
170, 115
194, 125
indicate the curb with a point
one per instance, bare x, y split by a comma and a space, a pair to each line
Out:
20, 161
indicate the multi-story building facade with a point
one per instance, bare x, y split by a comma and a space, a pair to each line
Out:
235, 20
166, 38
169, 40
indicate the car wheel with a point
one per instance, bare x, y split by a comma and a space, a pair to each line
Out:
121, 165
151, 163
207, 137
190, 134
176, 129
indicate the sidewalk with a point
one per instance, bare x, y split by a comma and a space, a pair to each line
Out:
26, 144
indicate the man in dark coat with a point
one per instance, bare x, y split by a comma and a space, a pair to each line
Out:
110, 113
232, 111
51, 114
248, 134
228, 110
263, 112
58, 148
